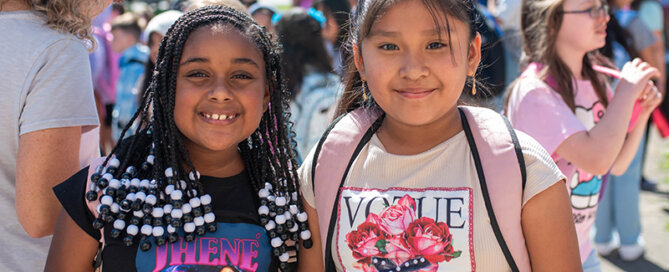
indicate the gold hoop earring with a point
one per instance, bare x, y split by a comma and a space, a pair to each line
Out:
473, 86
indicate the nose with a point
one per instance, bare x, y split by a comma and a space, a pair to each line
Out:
413, 67
220, 91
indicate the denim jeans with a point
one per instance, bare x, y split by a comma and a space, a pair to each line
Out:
592, 263
619, 208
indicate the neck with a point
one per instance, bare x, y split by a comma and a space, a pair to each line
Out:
574, 61
403, 139
14, 5
225, 163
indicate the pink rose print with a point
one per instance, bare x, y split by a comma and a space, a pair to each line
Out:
363, 242
395, 219
396, 237
431, 240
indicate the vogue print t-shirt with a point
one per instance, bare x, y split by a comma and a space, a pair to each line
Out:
421, 212
537, 110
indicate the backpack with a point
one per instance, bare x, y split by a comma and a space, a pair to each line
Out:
494, 147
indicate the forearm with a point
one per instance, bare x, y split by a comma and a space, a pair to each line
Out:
45, 158
596, 150
654, 55
630, 147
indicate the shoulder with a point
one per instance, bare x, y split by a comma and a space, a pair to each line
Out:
530, 90
42, 41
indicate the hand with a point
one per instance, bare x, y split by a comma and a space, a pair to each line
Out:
635, 76
650, 99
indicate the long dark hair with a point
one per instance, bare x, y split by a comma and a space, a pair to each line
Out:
540, 22
268, 153
361, 24
303, 47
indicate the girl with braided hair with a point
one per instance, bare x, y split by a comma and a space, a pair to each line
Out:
209, 182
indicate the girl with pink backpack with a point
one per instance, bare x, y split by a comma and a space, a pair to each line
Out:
407, 180
566, 105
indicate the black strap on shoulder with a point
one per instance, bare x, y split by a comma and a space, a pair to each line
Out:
318, 149
329, 262
518, 149
97, 260
486, 195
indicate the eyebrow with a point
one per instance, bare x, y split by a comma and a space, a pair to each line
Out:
234, 61
245, 61
390, 34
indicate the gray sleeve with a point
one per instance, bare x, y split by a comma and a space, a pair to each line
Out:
641, 34
58, 91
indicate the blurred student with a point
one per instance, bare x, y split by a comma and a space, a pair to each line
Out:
126, 31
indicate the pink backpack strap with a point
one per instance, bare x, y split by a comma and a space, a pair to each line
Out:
333, 157
494, 146
497, 155
92, 205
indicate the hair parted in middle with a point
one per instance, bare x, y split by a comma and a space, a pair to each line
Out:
361, 24
157, 152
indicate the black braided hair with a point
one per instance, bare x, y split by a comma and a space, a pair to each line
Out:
158, 164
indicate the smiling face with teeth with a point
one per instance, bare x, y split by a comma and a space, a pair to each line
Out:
221, 91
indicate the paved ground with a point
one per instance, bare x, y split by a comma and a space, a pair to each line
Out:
654, 215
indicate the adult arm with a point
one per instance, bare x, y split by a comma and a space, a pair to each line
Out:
547, 220
654, 55
311, 259
68, 239
596, 150
651, 99
45, 158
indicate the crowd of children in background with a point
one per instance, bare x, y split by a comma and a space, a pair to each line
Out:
569, 75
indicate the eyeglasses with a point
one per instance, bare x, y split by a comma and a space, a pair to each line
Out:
594, 12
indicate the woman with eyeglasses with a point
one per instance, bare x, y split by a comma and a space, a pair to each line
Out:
567, 106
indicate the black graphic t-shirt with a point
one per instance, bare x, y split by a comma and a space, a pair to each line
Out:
239, 244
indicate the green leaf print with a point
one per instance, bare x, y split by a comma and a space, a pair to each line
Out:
456, 254
381, 245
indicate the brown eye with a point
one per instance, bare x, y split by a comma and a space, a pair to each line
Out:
196, 74
435, 45
389, 47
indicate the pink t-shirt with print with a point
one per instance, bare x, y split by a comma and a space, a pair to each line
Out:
539, 111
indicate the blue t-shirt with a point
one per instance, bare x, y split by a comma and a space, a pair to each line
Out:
239, 244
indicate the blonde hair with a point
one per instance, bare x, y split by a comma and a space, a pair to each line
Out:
67, 16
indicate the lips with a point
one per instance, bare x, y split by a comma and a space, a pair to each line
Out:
415, 93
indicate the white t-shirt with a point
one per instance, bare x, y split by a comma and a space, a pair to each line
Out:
396, 210
45, 82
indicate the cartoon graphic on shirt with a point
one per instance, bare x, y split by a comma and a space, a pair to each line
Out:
237, 247
417, 233
584, 190
590, 116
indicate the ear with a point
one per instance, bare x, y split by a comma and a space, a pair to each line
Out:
474, 57
357, 60
266, 97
